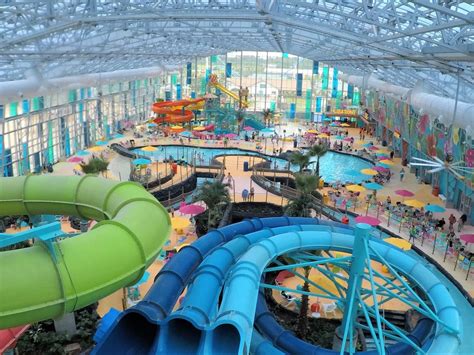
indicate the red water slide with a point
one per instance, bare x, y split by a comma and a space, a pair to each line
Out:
176, 111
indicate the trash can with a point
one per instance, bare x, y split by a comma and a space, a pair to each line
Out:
246, 166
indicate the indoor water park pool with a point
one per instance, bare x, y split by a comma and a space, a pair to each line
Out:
333, 166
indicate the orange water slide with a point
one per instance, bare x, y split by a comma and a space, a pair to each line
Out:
176, 111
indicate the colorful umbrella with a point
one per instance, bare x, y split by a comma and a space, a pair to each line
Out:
368, 145
399, 242
186, 134
149, 148
345, 125
82, 153
334, 124
248, 128
312, 131
231, 135
373, 147
372, 221
199, 128
435, 208
141, 161
324, 135
468, 238
97, 148
191, 209
152, 125
355, 188
373, 186
404, 193
75, 160
338, 137
381, 169
370, 172
383, 165
347, 139
179, 222
414, 203
101, 143
386, 161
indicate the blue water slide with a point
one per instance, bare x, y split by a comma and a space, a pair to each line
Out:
136, 328
143, 328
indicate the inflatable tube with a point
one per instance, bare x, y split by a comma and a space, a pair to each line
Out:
36, 285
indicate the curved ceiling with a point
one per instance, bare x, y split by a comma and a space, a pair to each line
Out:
399, 41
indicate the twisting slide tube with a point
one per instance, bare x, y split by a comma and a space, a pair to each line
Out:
37, 283
238, 253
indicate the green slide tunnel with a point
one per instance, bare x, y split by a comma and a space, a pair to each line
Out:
132, 228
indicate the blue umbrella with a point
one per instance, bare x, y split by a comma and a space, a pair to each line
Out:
435, 208
152, 125
141, 161
118, 135
101, 143
338, 137
82, 153
367, 145
373, 186
186, 134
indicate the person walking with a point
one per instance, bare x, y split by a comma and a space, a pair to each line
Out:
462, 222
252, 194
402, 174
451, 221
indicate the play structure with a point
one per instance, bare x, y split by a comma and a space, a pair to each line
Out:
237, 261
58, 275
180, 111
213, 82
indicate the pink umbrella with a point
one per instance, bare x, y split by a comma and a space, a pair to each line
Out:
248, 128
404, 193
230, 135
468, 238
373, 147
191, 209
368, 220
75, 160
380, 169
347, 139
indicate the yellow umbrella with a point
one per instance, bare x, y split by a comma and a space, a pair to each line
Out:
97, 148
199, 128
355, 188
323, 136
399, 242
369, 172
313, 131
179, 222
345, 125
176, 128
148, 148
414, 203
387, 162
77, 167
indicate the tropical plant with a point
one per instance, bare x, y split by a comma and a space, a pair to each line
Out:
267, 116
300, 159
215, 195
317, 151
95, 166
302, 327
305, 202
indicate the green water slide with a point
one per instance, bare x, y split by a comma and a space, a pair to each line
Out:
37, 283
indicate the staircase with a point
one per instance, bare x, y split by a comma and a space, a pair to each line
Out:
397, 318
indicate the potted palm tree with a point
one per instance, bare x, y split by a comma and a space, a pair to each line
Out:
216, 196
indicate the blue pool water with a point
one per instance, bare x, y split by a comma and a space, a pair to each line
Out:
333, 166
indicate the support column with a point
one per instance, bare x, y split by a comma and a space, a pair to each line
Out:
346, 331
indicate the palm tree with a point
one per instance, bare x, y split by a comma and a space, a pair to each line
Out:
302, 326
300, 159
267, 115
95, 166
318, 151
302, 206
215, 195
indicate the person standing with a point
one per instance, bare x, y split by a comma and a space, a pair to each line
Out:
252, 194
402, 174
451, 221
462, 222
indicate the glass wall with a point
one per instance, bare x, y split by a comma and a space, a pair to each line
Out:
295, 87
43, 130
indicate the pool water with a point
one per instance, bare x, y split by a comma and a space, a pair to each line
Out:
333, 166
